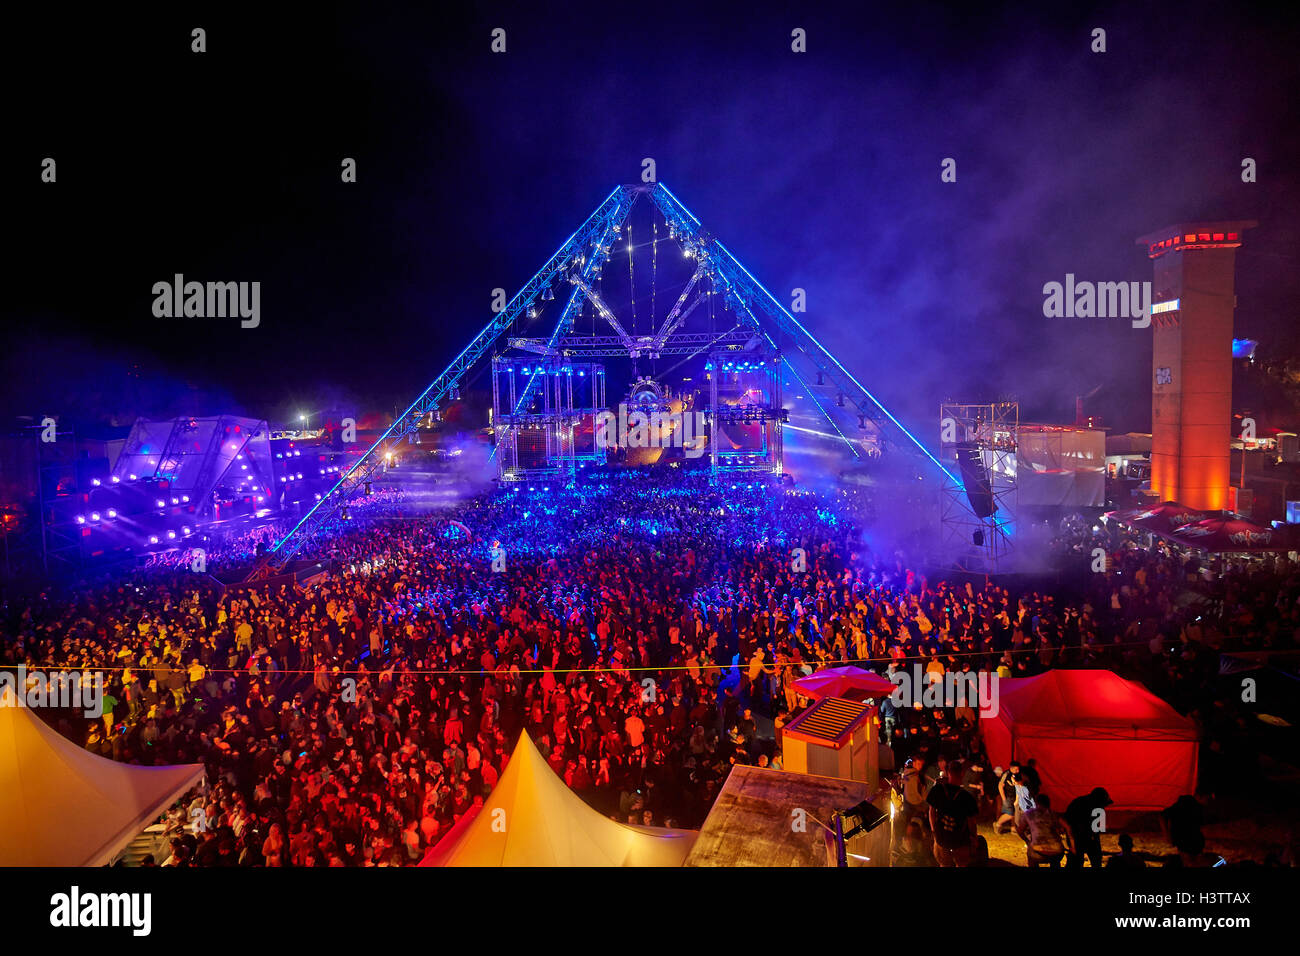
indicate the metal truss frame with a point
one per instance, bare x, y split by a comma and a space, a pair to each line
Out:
993, 429
771, 416
579, 259
750, 299
557, 418
683, 343
586, 247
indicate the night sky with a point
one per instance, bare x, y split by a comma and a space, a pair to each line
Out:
818, 170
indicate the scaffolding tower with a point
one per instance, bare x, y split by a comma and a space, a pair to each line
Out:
978, 511
544, 438
745, 413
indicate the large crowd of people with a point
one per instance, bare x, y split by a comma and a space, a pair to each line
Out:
644, 627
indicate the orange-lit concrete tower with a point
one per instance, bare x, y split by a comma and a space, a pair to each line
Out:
1192, 302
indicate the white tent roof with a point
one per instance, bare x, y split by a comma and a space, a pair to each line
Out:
532, 819
61, 805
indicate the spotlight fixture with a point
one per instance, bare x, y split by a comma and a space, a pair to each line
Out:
865, 816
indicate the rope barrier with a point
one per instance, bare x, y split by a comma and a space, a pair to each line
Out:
470, 672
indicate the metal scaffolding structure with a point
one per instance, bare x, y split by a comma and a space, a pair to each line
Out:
760, 327
978, 512
190, 458
542, 441
745, 401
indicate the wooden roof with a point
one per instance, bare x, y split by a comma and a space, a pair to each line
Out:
752, 821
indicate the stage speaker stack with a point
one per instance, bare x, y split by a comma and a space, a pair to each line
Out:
975, 478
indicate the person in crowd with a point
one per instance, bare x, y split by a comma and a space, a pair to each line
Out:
1181, 824
1044, 833
915, 792
952, 812
1025, 796
1007, 798
1126, 858
354, 719
913, 849
1086, 817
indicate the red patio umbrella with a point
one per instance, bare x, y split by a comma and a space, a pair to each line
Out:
1229, 534
837, 681
1163, 519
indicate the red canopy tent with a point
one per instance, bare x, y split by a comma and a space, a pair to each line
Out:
1229, 534
1092, 728
1162, 519
839, 681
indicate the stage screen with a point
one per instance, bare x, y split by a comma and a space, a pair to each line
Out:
1061, 467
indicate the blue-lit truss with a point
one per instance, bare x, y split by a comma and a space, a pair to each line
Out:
578, 261
750, 299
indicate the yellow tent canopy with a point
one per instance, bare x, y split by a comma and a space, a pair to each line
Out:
532, 819
61, 805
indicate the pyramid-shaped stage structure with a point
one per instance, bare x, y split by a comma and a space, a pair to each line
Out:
836, 406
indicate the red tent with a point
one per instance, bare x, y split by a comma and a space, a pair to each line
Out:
839, 681
1229, 534
1162, 519
1091, 728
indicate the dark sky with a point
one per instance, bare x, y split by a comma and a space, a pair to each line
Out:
818, 170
